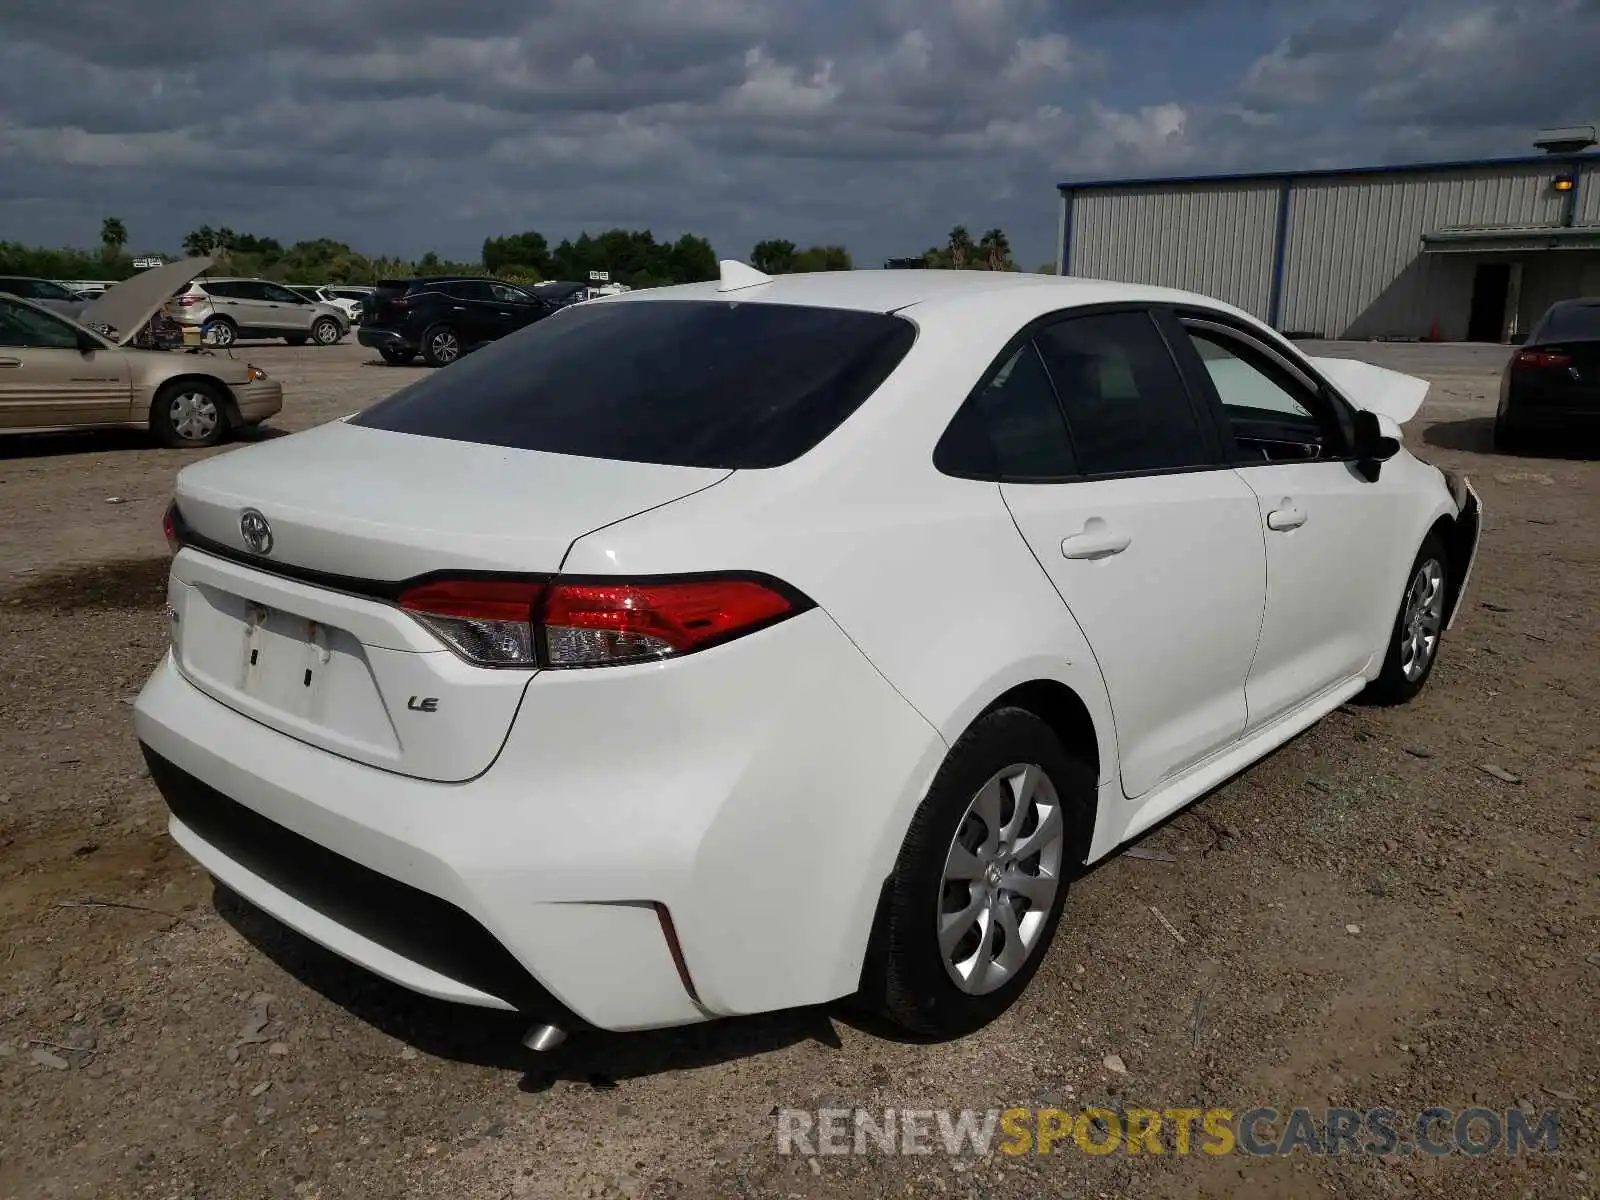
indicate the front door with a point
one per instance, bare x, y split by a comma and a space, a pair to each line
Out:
1328, 603
292, 311
1155, 544
48, 381
1491, 286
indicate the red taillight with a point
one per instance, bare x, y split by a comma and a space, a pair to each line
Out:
1543, 358
572, 623
189, 301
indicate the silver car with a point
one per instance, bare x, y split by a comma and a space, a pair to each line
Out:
231, 309
46, 293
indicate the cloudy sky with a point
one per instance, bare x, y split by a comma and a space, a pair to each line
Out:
402, 126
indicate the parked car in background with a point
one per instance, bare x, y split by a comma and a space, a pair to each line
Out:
45, 292
561, 294
1551, 384
777, 640
57, 374
346, 300
443, 318
231, 309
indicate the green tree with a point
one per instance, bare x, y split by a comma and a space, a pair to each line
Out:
774, 256
525, 254
113, 236
823, 258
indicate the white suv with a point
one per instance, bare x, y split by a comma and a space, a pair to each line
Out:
722, 648
229, 310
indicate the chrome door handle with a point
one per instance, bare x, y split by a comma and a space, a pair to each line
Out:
1098, 540
1285, 518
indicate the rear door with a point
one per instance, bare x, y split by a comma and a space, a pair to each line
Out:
231, 298
46, 380
473, 310
1152, 541
385, 307
1331, 588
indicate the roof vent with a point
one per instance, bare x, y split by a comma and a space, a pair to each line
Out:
1573, 140
736, 276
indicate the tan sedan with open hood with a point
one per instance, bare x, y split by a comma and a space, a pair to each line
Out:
57, 374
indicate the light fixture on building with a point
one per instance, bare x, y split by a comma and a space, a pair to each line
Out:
1563, 183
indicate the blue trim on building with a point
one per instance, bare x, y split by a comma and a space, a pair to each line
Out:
1066, 233
1280, 248
1555, 161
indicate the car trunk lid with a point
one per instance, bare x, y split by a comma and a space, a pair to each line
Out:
282, 601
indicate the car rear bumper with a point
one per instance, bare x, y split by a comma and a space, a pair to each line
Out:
754, 796
384, 339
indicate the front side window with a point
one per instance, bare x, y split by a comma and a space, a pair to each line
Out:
29, 329
1271, 415
1127, 408
282, 295
682, 382
507, 294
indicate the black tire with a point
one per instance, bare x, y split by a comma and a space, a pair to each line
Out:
178, 414
326, 332
441, 346
296, 340
223, 330
907, 981
396, 358
1394, 685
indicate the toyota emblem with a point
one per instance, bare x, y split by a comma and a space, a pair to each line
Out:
256, 531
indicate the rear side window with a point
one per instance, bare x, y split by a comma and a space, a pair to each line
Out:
468, 289
685, 383
1011, 430
1126, 404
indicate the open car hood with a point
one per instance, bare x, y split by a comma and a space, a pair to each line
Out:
1379, 390
127, 306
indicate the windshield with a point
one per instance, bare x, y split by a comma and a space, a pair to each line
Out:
681, 382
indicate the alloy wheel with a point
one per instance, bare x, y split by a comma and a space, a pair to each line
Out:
1000, 878
1423, 620
445, 347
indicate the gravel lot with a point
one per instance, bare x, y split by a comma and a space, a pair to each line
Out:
159, 1039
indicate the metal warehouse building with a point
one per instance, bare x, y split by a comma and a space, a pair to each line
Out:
1459, 250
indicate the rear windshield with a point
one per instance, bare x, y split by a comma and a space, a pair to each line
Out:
681, 382
1578, 319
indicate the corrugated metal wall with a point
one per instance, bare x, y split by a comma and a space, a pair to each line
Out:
1354, 266
1215, 239
1589, 195
1559, 275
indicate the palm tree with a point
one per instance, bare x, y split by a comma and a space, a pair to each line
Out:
960, 247
113, 236
997, 250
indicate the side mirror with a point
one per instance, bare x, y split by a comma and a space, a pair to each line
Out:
1373, 447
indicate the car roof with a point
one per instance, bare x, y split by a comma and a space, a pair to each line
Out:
891, 291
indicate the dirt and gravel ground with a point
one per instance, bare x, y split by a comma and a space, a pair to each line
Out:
158, 1039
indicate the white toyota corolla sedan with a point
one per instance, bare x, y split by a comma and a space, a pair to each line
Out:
723, 648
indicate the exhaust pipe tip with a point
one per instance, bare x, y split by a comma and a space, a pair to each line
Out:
542, 1038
